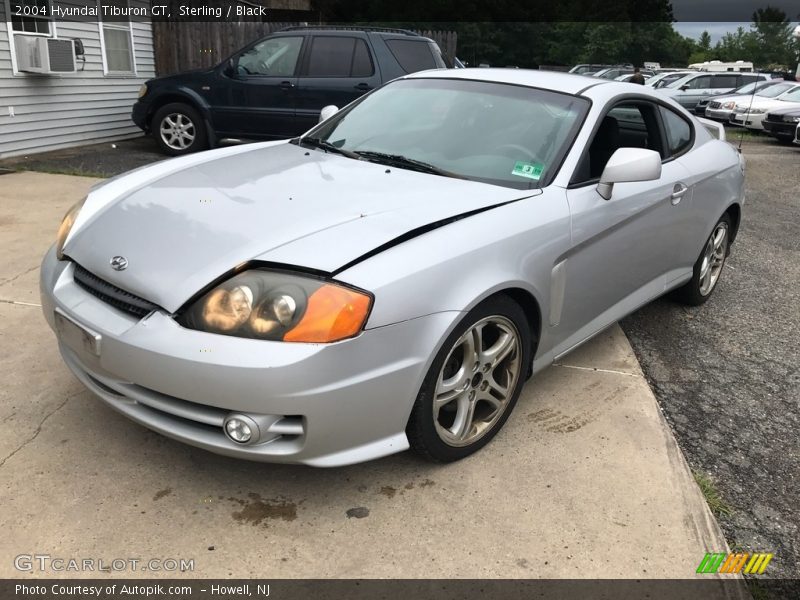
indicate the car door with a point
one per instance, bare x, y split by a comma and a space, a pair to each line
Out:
336, 70
257, 98
623, 248
693, 91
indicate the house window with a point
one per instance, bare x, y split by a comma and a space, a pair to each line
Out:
31, 16
117, 40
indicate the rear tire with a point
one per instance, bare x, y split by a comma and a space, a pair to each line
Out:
709, 265
473, 383
179, 129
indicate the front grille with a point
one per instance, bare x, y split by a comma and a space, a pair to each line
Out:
714, 104
111, 294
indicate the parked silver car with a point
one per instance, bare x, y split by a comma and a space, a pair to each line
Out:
691, 90
392, 277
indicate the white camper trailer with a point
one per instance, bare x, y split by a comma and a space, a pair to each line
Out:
717, 66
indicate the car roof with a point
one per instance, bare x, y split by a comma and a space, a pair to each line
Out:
558, 81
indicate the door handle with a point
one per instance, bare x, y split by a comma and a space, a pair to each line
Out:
678, 192
287, 85
364, 87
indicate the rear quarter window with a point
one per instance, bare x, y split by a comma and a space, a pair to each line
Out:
413, 55
679, 132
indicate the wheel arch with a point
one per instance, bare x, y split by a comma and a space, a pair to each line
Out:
734, 211
182, 96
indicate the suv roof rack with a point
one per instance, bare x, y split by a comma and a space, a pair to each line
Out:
351, 28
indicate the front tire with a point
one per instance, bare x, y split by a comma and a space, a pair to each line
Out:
179, 129
708, 268
473, 383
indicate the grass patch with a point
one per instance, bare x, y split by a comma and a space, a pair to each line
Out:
713, 498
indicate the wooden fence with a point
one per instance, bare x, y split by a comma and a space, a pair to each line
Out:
180, 46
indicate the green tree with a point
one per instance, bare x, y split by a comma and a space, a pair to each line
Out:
773, 36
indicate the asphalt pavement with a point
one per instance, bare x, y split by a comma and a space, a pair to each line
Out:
727, 374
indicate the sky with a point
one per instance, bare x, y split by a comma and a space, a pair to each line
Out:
694, 17
715, 29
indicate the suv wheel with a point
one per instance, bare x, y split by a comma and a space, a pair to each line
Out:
179, 129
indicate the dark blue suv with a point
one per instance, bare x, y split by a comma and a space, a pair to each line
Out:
275, 87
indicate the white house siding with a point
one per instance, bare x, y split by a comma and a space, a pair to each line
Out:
58, 111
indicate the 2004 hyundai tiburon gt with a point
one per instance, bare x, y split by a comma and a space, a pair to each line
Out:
392, 277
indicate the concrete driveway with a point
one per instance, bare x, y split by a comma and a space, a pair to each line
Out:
586, 479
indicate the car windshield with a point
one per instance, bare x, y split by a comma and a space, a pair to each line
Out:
776, 90
793, 96
495, 133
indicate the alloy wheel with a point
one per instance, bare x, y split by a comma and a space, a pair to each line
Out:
177, 131
713, 258
477, 381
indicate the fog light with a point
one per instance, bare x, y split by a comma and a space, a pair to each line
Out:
240, 430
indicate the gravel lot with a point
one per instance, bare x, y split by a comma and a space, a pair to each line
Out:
727, 375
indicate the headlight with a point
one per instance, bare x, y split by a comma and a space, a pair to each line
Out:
756, 111
728, 105
275, 305
66, 227
143, 90
794, 119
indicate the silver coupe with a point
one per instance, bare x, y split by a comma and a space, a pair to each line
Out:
391, 278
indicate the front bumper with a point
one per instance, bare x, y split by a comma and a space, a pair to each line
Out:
718, 114
781, 129
329, 404
139, 114
748, 120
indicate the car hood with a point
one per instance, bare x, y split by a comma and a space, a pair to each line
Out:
181, 77
183, 223
762, 103
792, 108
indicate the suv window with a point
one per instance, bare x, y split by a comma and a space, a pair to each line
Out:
274, 57
725, 81
679, 132
337, 56
699, 83
745, 79
412, 55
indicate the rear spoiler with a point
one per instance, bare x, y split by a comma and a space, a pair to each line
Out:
714, 128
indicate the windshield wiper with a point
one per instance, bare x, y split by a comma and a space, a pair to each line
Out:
398, 160
327, 147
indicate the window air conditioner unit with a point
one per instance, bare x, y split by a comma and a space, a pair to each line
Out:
44, 55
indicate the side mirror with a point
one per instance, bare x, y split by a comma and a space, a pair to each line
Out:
629, 164
229, 70
684, 87
327, 112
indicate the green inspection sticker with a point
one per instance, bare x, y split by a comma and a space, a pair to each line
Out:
529, 170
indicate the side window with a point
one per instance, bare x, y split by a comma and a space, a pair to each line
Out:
336, 56
274, 57
679, 132
700, 83
725, 81
413, 55
750, 79
627, 125
362, 62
